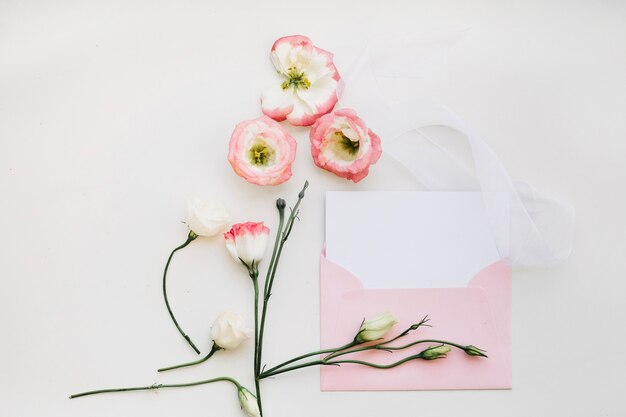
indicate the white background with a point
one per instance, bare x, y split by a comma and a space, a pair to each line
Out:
113, 112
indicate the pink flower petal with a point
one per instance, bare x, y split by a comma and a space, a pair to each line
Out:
277, 102
284, 46
321, 96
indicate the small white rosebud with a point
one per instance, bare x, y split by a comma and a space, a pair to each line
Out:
248, 403
375, 328
229, 330
206, 217
247, 242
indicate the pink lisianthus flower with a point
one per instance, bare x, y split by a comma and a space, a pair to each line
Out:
247, 243
342, 144
261, 151
308, 82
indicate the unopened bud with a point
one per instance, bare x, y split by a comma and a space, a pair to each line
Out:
435, 352
474, 351
375, 328
248, 403
301, 193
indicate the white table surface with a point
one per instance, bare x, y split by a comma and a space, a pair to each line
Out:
113, 112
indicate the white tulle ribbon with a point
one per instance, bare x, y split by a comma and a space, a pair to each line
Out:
390, 86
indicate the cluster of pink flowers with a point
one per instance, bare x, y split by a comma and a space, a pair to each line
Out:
261, 150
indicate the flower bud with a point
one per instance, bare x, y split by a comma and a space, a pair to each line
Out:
280, 204
229, 330
247, 242
435, 352
474, 351
248, 403
301, 193
375, 328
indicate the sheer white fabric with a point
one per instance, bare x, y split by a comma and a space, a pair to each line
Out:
391, 86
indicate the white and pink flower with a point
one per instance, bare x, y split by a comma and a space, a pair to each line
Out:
308, 82
247, 242
342, 144
261, 151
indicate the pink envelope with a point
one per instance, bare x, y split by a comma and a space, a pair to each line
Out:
479, 314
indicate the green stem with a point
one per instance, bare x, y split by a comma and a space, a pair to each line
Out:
214, 349
445, 342
266, 294
281, 238
323, 362
255, 281
281, 219
375, 365
338, 351
306, 355
292, 368
383, 346
192, 236
158, 386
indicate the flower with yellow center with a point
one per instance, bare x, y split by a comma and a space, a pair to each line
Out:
308, 79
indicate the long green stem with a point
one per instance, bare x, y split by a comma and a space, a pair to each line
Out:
214, 349
383, 346
255, 281
266, 292
281, 238
339, 351
192, 236
306, 355
375, 365
158, 386
280, 205
323, 362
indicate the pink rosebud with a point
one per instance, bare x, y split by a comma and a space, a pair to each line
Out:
261, 151
307, 87
342, 144
247, 242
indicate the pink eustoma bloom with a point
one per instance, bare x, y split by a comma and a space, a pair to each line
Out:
307, 88
342, 144
261, 151
247, 242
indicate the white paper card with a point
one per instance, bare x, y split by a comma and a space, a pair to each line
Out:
409, 239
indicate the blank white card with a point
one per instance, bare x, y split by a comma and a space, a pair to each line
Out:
392, 239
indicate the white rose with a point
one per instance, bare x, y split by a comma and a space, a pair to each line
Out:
248, 403
229, 330
375, 328
206, 217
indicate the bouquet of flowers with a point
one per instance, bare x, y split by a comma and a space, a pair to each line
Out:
261, 151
